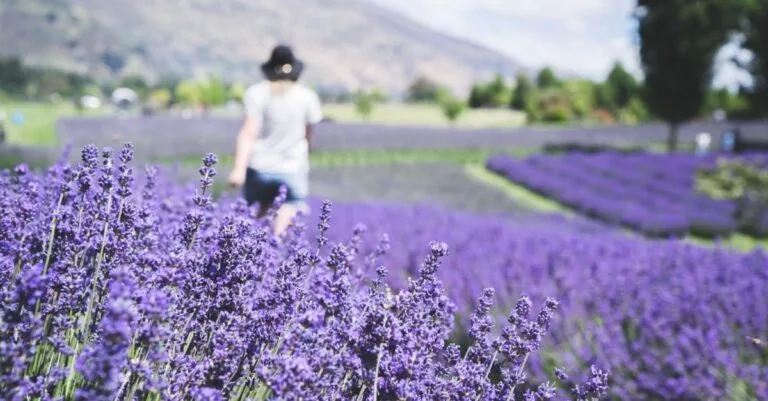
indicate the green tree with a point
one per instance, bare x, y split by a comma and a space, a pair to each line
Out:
422, 89
735, 104
93, 90
378, 96
214, 91
498, 92
160, 97
678, 43
605, 99
364, 104
14, 77
581, 95
637, 110
188, 92
522, 95
554, 105
754, 26
491, 94
622, 84
137, 83
478, 96
451, 107
547, 79
237, 91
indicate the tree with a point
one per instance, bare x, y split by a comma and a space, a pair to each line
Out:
554, 105
160, 97
137, 83
14, 77
498, 92
378, 96
492, 94
678, 43
754, 26
604, 98
188, 92
522, 95
422, 90
581, 94
478, 96
451, 107
547, 79
364, 104
213, 90
237, 91
735, 105
623, 86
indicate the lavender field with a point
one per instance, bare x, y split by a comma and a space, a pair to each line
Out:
124, 284
176, 137
654, 194
416, 282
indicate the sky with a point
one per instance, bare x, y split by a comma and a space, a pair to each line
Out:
582, 37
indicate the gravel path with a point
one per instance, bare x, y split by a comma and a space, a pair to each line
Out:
444, 184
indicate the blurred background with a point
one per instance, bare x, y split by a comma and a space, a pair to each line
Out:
417, 94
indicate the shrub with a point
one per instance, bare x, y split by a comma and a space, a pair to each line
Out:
554, 105
113, 290
452, 108
364, 104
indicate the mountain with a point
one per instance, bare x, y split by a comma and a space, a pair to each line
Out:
345, 43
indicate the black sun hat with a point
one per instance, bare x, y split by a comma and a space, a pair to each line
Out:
282, 64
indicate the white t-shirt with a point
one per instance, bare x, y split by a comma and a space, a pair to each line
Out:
281, 145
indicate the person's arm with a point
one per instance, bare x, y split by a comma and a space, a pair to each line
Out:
248, 133
246, 136
308, 131
314, 116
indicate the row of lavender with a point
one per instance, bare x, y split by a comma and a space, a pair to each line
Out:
115, 290
671, 321
176, 137
650, 193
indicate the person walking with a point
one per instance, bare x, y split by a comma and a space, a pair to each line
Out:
275, 139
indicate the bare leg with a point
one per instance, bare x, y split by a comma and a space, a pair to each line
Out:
263, 211
284, 217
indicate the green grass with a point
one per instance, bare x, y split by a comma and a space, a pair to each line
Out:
378, 157
426, 115
521, 195
39, 126
737, 241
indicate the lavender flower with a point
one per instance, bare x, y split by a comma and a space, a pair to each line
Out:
154, 291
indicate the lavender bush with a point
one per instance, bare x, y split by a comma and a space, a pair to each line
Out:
114, 289
650, 193
671, 320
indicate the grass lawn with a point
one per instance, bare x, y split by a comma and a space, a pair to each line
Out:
378, 157
520, 194
39, 127
426, 115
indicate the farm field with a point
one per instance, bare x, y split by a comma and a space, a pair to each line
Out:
621, 299
653, 194
175, 137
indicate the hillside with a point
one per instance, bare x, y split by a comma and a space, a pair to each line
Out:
349, 43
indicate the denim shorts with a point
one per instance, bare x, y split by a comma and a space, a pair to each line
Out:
263, 188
